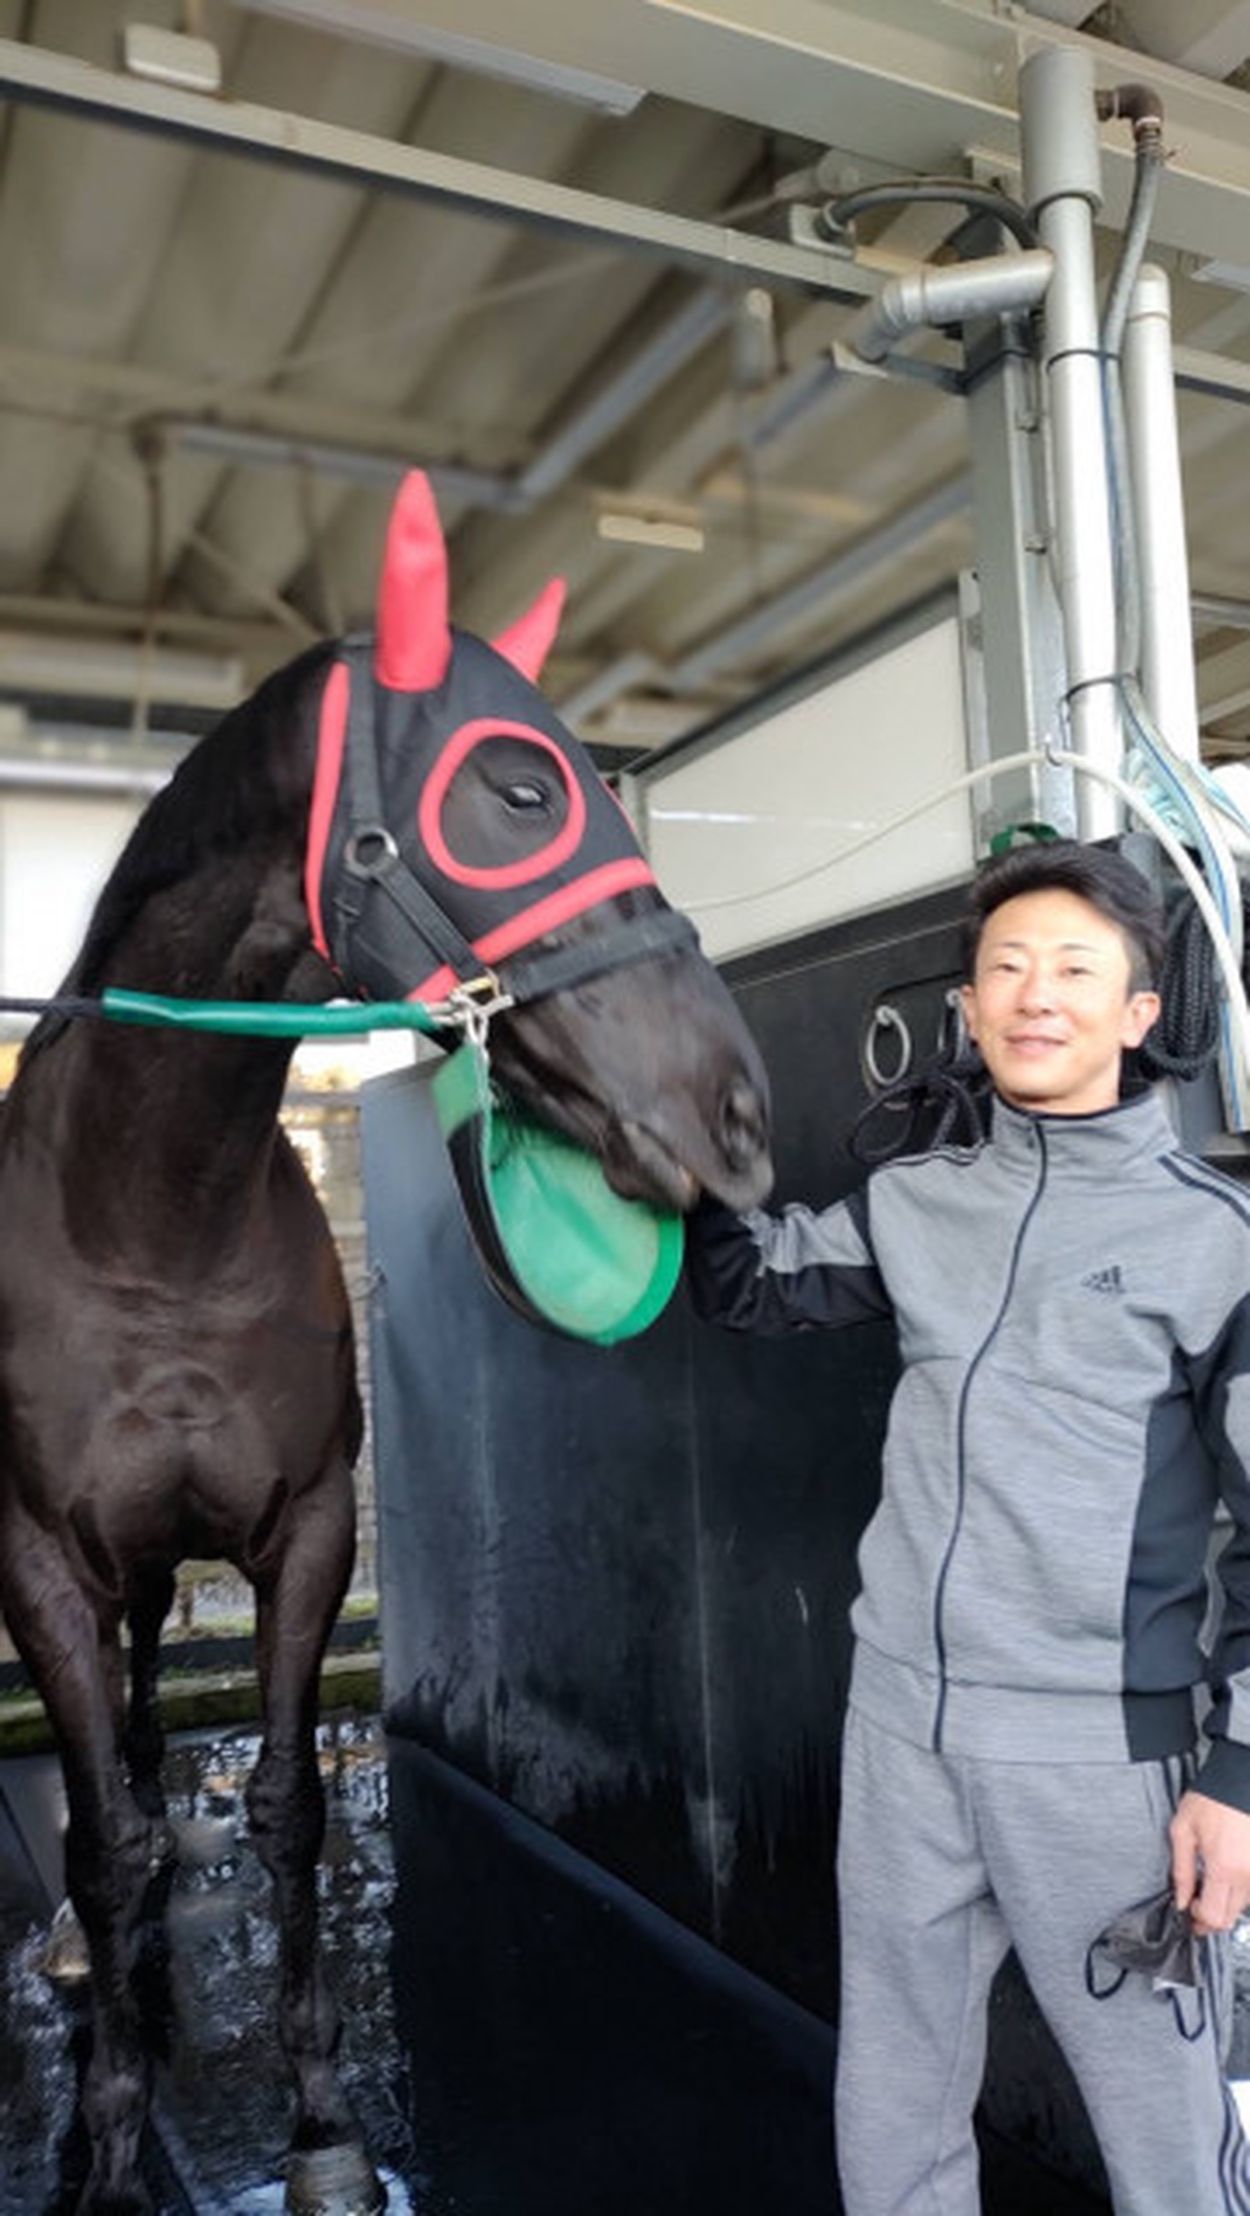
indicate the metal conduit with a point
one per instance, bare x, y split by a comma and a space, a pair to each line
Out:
1062, 173
1167, 650
1002, 284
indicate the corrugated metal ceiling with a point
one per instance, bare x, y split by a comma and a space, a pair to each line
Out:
149, 287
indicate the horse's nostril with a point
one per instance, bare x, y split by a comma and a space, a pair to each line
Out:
743, 1133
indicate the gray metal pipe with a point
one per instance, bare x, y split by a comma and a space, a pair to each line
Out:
53, 773
1167, 654
683, 336
1061, 179
589, 426
1002, 284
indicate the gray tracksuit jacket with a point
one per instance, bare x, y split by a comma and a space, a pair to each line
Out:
1072, 1300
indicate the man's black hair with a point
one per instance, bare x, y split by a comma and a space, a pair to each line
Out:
1107, 880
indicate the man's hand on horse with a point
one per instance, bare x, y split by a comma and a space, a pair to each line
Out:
1210, 1862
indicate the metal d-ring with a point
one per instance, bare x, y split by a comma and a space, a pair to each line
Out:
471, 1005
952, 1038
370, 850
885, 1017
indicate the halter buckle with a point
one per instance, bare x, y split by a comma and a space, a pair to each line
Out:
473, 1002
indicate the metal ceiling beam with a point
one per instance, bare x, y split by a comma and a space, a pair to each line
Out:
1220, 612
123, 396
179, 626
59, 81
357, 465
1224, 682
850, 566
624, 393
1208, 36
919, 83
1217, 376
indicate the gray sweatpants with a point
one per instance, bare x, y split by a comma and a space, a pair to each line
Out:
944, 1862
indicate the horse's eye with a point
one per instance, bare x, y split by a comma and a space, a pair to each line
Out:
526, 795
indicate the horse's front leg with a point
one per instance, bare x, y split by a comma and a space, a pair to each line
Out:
297, 1602
111, 1852
143, 1742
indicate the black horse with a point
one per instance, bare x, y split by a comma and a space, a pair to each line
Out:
384, 817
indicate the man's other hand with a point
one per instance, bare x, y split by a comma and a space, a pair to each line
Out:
1210, 1862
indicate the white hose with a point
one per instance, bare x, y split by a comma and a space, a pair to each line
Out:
1234, 991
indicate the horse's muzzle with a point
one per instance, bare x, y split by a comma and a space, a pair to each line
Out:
743, 1137
671, 1157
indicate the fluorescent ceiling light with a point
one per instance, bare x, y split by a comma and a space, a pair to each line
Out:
171, 58
387, 25
659, 531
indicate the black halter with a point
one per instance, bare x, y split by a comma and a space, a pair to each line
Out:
384, 926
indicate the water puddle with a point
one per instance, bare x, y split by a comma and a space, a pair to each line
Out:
223, 2103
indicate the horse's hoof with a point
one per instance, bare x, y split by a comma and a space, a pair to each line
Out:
65, 1960
333, 2181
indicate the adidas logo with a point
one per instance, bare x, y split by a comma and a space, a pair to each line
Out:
1105, 1281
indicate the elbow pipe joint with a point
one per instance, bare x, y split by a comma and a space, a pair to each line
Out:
1002, 285
1139, 105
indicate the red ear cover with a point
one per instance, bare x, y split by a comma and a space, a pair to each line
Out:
527, 642
413, 635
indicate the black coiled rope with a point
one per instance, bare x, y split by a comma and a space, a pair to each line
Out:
1187, 1035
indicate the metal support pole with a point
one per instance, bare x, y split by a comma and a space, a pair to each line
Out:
1167, 665
1013, 634
1063, 189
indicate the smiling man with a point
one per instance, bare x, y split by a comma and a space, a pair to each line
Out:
1020, 1764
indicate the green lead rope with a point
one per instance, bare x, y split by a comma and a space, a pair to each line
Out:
263, 1019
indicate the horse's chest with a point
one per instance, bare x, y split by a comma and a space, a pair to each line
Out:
184, 1394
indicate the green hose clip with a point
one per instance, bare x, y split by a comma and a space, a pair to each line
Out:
1022, 834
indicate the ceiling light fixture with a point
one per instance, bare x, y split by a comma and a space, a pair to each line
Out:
171, 58
654, 531
382, 24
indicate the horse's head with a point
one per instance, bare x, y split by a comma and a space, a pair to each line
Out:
457, 828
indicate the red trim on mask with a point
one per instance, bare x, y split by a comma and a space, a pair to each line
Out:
331, 736
430, 809
544, 915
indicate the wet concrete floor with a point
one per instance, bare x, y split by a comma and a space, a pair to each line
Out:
222, 2107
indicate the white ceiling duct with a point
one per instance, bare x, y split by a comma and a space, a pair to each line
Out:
102, 669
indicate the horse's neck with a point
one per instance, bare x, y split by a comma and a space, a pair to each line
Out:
172, 1133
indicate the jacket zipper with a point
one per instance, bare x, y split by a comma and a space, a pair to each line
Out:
961, 1474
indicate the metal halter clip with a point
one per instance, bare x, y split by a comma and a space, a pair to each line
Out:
473, 1002
370, 850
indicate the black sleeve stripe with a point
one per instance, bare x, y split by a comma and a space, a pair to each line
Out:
1200, 1179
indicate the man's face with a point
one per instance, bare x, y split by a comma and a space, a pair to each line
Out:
1050, 1006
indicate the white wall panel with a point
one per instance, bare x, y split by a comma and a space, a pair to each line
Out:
792, 790
55, 854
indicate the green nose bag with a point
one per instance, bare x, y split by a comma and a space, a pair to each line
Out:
553, 1237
